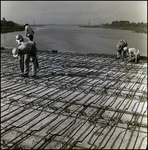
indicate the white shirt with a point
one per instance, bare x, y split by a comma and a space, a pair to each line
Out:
133, 51
26, 39
28, 31
26, 45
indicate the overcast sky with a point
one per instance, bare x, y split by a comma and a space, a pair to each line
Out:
73, 12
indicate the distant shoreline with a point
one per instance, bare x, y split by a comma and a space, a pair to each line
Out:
8, 30
10, 26
136, 31
13, 29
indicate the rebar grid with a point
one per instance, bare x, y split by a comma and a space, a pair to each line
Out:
83, 101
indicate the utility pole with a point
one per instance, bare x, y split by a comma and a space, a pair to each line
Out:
89, 22
34, 22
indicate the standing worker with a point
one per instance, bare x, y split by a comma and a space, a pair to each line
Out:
29, 31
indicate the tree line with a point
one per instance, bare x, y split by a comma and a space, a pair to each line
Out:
126, 25
10, 26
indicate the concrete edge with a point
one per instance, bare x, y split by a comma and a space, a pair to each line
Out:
9, 49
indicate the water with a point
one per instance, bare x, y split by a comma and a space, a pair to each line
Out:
78, 39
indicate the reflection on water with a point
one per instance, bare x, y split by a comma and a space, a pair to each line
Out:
78, 39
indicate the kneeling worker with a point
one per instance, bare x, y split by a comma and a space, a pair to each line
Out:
134, 54
120, 45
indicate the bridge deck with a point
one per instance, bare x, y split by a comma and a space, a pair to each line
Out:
77, 101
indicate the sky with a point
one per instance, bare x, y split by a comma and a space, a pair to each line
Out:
73, 12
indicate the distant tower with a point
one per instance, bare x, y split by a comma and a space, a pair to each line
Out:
34, 22
89, 22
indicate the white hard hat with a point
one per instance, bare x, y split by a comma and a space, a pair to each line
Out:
18, 37
15, 52
125, 48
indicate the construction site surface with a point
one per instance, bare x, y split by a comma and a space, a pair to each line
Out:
76, 101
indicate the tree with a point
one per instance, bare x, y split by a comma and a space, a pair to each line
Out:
4, 19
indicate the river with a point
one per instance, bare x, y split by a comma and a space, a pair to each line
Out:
79, 39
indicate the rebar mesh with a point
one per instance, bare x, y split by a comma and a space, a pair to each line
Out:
77, 101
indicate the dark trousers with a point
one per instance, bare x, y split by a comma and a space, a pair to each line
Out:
31, 37
24, 60
34, 55
119, 52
